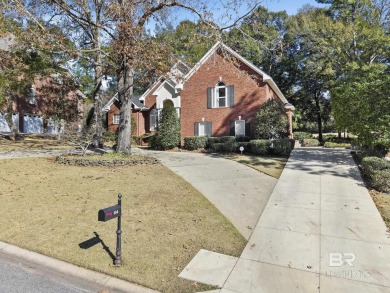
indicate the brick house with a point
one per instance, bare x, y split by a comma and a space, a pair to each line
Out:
219, 96
48, 100
39, 107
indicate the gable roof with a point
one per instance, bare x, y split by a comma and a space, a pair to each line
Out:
135, 101
178, 71
266, 78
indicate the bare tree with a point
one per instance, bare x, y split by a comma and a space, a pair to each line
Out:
95, 24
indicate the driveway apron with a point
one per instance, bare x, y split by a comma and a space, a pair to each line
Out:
319, 232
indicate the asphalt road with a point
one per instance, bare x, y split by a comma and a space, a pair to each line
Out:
20, 276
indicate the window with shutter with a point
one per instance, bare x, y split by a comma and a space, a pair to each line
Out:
202, 129
220, 96
239, 128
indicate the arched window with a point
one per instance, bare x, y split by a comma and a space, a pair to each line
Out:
168, 103
220, 94
153, 120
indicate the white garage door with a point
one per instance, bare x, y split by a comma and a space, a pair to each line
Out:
32, 124
3, 124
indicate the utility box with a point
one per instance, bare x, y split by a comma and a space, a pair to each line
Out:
109, 213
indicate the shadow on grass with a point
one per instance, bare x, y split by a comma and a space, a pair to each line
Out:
94, 241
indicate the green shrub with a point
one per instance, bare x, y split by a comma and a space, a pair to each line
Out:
195, 142
152, 142
109, 136
380, 180
260, 146
227, 147
217, 147
301, 135
310, 142
230, 147
373, 163
243, 139
336, 139
221, 139
282, 147
271, 121
330, 144
168, 130
378, 172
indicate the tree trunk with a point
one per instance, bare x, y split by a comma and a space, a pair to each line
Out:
8, 116
97, 95
125, 93
319, 118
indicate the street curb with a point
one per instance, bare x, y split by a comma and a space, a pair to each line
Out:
73, 270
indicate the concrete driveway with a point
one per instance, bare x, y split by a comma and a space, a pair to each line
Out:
319, 232
240, 193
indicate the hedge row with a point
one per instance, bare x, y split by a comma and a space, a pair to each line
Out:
195, 142
378, 172
228, 144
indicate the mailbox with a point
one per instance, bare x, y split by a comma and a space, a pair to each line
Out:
109, 213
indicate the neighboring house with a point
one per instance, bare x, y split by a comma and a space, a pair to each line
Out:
146, 108
219, 96
39, 108
140, 114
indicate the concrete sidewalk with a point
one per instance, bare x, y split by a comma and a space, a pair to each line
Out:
240, 193
320, 232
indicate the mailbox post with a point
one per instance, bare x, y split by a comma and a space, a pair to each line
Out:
118, 254
110, 213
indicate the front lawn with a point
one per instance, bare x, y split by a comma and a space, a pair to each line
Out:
270, 165
33, 143
52, 208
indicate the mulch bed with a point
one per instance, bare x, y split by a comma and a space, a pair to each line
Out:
87, 162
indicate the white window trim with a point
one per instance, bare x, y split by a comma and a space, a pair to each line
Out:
205, 124
235, 128
153, 126
114, 120
216, 95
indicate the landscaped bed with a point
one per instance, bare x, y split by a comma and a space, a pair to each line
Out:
107, 159
382, 201
52, 208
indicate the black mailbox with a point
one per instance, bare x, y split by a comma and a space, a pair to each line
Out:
109, 213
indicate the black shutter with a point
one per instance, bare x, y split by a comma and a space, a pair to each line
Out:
196, 129
230, 92
232, 128
209, 131
210, 97
247, 128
